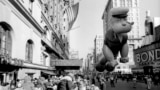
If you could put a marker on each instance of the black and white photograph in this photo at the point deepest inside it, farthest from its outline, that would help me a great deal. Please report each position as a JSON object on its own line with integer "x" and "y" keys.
{"x": 79, "y": 44}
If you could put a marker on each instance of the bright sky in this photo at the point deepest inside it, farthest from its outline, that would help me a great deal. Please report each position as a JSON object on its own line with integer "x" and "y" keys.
{"x": 90, "y": 24}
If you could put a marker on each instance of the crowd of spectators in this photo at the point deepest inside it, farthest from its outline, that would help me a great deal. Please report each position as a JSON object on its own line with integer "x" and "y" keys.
{"x": 70, "y": 81}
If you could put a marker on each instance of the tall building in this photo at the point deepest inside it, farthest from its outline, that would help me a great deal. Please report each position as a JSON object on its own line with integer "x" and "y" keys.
{"x": 31, "y": 37}
{"x": 89, "y": 63}
{"x": 147, "y": 5}
{"x": 147, "y": 56}
{"x": 98, "y": 44}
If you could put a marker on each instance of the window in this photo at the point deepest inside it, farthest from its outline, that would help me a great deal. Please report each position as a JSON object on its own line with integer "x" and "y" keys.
{"x": 45, "y": 8}
{"x": 31, "y": 6}
{"x": 29, "y": 51}
{"x": 5, "y": 40}
{"x": 44, "y": 57}
{"x": 51, "y": 18}
{"x": 136, "y": 3}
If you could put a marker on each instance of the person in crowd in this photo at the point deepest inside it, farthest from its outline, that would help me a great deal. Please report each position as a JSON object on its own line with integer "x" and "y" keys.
{"x": 5, "y": 86}
{"x": 94, "y": 87}
{"x": 112, "y": 81}
{"x": 1, "y": 87}
{"x": 49, "y": 85}
{"x": 102, "y": 84}
{"x": 54, "y": 86}
{"x": 134, "y": 81}
{"x": 75, "y": 84}
{"x": 28, "y": 85}
{"x": 96, "y": 80}
{"x": 19, "y": 86}
{"x": 41, "y": 80}
{"x": 87, "y": 83}
{"x": 145, "y": 79}
{"x": 149, "y": 82}
{"x": 81, "y": 85}
{"x": 35, "y": 82}
{"x": 38, "y": 86}
{"x": 12, "y": 84}
{"x": 66, "y": 83}
{"x": 116, "y": 78}
{"x": 156, "y": 79}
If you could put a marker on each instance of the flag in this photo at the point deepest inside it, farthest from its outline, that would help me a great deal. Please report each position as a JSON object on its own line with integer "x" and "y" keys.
{"x": 72, "y": 13}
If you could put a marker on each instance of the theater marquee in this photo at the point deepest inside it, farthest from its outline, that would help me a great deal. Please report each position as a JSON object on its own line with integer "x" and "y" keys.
{"x": 148, "y": 55}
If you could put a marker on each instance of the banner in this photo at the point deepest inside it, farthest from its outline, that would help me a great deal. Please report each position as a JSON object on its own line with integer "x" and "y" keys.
{"x": 72, "y": 13}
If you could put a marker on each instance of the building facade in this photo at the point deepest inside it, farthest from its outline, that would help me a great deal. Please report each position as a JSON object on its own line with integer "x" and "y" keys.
{"x": 88, "y": 67}
{"x": 74, "y": 54}
{"x": 98, "y": 44}
{"x": 32, "y": 35}
{"x": 147, "y": 56}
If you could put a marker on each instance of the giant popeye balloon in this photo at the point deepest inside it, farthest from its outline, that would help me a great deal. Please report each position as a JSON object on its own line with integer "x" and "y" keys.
{"x": 115, "y": 40}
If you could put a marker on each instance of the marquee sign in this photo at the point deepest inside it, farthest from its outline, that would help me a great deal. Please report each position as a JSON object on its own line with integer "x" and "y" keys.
{"x": 147, "y": 55}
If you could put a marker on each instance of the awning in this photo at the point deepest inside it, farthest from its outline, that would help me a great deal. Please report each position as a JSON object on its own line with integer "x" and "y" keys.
{"x": 38, "y": 67}
{"x": 76, "y": 63}
{"x": 48, "y": 72}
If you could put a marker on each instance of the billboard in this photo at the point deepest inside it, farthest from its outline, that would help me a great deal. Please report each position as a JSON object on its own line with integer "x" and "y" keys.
{"x": 148, "y": 55}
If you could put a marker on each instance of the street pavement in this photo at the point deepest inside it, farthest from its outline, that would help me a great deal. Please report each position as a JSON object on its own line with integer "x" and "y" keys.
{"x": 123, "y": 85}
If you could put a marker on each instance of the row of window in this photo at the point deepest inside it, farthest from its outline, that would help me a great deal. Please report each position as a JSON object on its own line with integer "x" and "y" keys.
{"x": 6, "y": 44}
{"x": 124, "y": 4}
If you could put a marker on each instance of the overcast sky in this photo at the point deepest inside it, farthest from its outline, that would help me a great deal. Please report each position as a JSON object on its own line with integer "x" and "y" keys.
{"x": 89, "y": 23}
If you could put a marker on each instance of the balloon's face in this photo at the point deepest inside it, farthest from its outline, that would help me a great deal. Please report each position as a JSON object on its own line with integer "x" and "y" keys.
{"x": 121, "y": 25}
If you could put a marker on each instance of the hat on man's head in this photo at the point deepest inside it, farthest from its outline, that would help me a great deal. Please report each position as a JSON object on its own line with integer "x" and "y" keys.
{"x": 119, "y": 12}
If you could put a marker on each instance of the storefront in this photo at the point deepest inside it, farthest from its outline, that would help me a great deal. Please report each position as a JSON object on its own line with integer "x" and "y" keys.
{"x": 35, "y": 71}
{"x": 148, "y": 57}
{"x": 13, "y": 69}
{"x": 62, "y": 65}
{"x": 9, "y": 67}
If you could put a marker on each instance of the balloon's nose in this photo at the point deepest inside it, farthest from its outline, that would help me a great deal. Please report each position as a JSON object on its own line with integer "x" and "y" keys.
{"x": 123, "y": 24}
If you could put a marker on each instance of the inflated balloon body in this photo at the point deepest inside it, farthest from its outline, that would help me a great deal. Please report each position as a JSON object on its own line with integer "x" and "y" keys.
{"x": 115, "y": 40}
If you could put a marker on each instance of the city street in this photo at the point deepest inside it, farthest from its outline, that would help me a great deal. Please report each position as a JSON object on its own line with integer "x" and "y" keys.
{"x": 123, "y": 85}
{"x": 79, "y": 44}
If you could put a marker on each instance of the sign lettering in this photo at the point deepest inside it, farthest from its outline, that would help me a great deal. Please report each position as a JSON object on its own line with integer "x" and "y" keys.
{"x": 148, "y": 57}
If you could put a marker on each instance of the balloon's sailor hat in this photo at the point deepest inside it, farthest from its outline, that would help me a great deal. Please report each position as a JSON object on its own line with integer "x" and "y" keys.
{"x": 119, "y": 12}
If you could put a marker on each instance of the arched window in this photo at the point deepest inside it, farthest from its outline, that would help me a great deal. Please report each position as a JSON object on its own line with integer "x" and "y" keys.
{"x": 29, "y": 51}
{"x": 5, "y": 39}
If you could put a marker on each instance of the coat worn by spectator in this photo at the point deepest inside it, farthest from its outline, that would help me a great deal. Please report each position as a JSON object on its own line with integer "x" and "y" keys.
{"x": 28, "y": 85}
{"x": 65, "y": 83}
